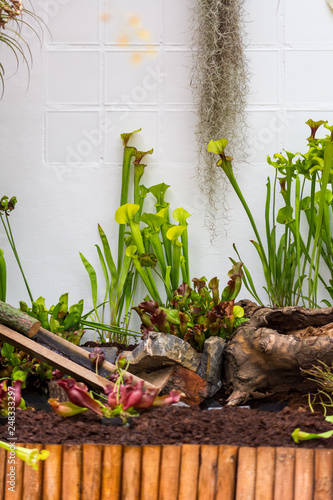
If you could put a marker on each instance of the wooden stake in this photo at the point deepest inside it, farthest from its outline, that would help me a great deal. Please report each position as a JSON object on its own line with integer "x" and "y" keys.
{"x": 284, "y": 474}
{"x": 71, "y": 472}
{"x": 3, "y": 478}
{"x": 226, "y": 472}
{"x": 17, "y": 494}
{"x": 169, "y": 477}
{"x": 151, "y": 456}
{"x": 304, "y": 474}
{"x": 265, "y": 473}
{"x": 246, "y": 473}
{"x": 207, "y": 474}
{"x": 112, "y": 466}
{"x": 91, "y": 471}
{"x": 32, "y": 479}
{"x": 131, "y": 473}
{"x": 52, "y": 473}
{"x": 189, "y": 472}
{"x": 323, "y": 474}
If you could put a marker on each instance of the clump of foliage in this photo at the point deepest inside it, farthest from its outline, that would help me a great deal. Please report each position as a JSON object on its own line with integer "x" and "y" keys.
{"x": 289, "y": 259}
{"x": 60, "y": 319}
{"x": 17, "y": 365}
{"x": 220, "y": 88}
{"x": 199, "y": 313}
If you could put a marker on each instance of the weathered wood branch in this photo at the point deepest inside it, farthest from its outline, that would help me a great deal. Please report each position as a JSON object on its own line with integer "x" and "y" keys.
{"x": 18, "y": 320}
{"x": 265, "y": 355}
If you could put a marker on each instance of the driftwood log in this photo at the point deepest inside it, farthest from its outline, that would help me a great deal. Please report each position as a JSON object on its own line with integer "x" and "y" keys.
{"x": 265, "y": 354}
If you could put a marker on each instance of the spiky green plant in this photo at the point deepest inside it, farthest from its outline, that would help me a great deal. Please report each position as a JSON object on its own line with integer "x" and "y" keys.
{"x": 12, "y": 19}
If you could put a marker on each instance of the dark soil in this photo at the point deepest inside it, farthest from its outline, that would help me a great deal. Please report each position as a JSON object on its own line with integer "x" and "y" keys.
{"x": 175, "y": 425}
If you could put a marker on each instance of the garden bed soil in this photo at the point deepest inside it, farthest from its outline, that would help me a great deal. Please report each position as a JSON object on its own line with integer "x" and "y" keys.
{"x": 175, "y": 425}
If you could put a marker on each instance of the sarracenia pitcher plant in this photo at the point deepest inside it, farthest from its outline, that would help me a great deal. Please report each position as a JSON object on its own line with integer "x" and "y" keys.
{"x": 150, "y": 247}
{"x": 291, "y": 260}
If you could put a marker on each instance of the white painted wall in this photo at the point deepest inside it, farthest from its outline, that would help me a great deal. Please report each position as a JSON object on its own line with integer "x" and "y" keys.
{"x": 117, "y": 65}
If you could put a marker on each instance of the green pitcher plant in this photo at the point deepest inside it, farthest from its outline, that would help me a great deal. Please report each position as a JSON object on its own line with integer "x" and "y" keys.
{"x": 291, "y": 259}
{"x": 150, "y": 248}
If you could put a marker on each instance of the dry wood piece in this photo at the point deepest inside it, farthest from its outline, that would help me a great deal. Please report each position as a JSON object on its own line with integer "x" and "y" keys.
{"x": 91, "y": 471}
{"x": 112, "y": 462}
{"x": 52, "y": 473}
{"x": 226, "y": 472}
{"x": 18, "y": 320}
{"x": 284, "y": 474}
{"x": 151, "y": 456}
{"x": 189, "y": 472}
{"x": 263, "y": 357}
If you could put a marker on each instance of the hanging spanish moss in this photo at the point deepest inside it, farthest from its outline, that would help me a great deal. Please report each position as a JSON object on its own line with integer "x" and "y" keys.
{"x": 220, "y": 87}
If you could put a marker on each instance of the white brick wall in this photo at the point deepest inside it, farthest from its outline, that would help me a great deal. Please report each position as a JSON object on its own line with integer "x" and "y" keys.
{"x": 60, "y": 146}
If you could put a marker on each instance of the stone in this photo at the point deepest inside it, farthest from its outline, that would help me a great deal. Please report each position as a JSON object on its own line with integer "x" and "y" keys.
{"x": 192, "y": 385}
{"x": 210, "y": 367}
{"x": 162, "y": 349}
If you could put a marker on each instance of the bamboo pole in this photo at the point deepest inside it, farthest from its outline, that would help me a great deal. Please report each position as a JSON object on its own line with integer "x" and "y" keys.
{"x": 52, "y": 473}
{"x": 169, "y": 477}
{"x": 32, "y": 479}
{"x": 151, "y": 457}
{"x": 246, "y": 474}
{"x": 189, "y": 472}
{"x": 265, "y": 472}
{"x": 2, "y": 473}
{"x": 91, "y": 471}
{"x": 71, "y": 472}
{"x": 207, "y": 474}
{"x": 323, "y": 475}
{"x": 131, "y": 473}
{"x": 17, "y": 494}
{"x": 284, "y": 474}
{"x": 112, "y": 468}
{"x": 304, "y": 474}
{"x": 226, "y": 472}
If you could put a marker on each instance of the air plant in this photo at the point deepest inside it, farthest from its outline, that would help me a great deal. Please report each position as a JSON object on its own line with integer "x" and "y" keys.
{"x": 12, "y": 19}
{"x": 220, "y": 88}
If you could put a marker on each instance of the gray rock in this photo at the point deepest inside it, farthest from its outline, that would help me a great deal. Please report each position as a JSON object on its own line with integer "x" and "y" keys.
{"x": 211, "y": 363}
{"x": 163, "y": 349}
